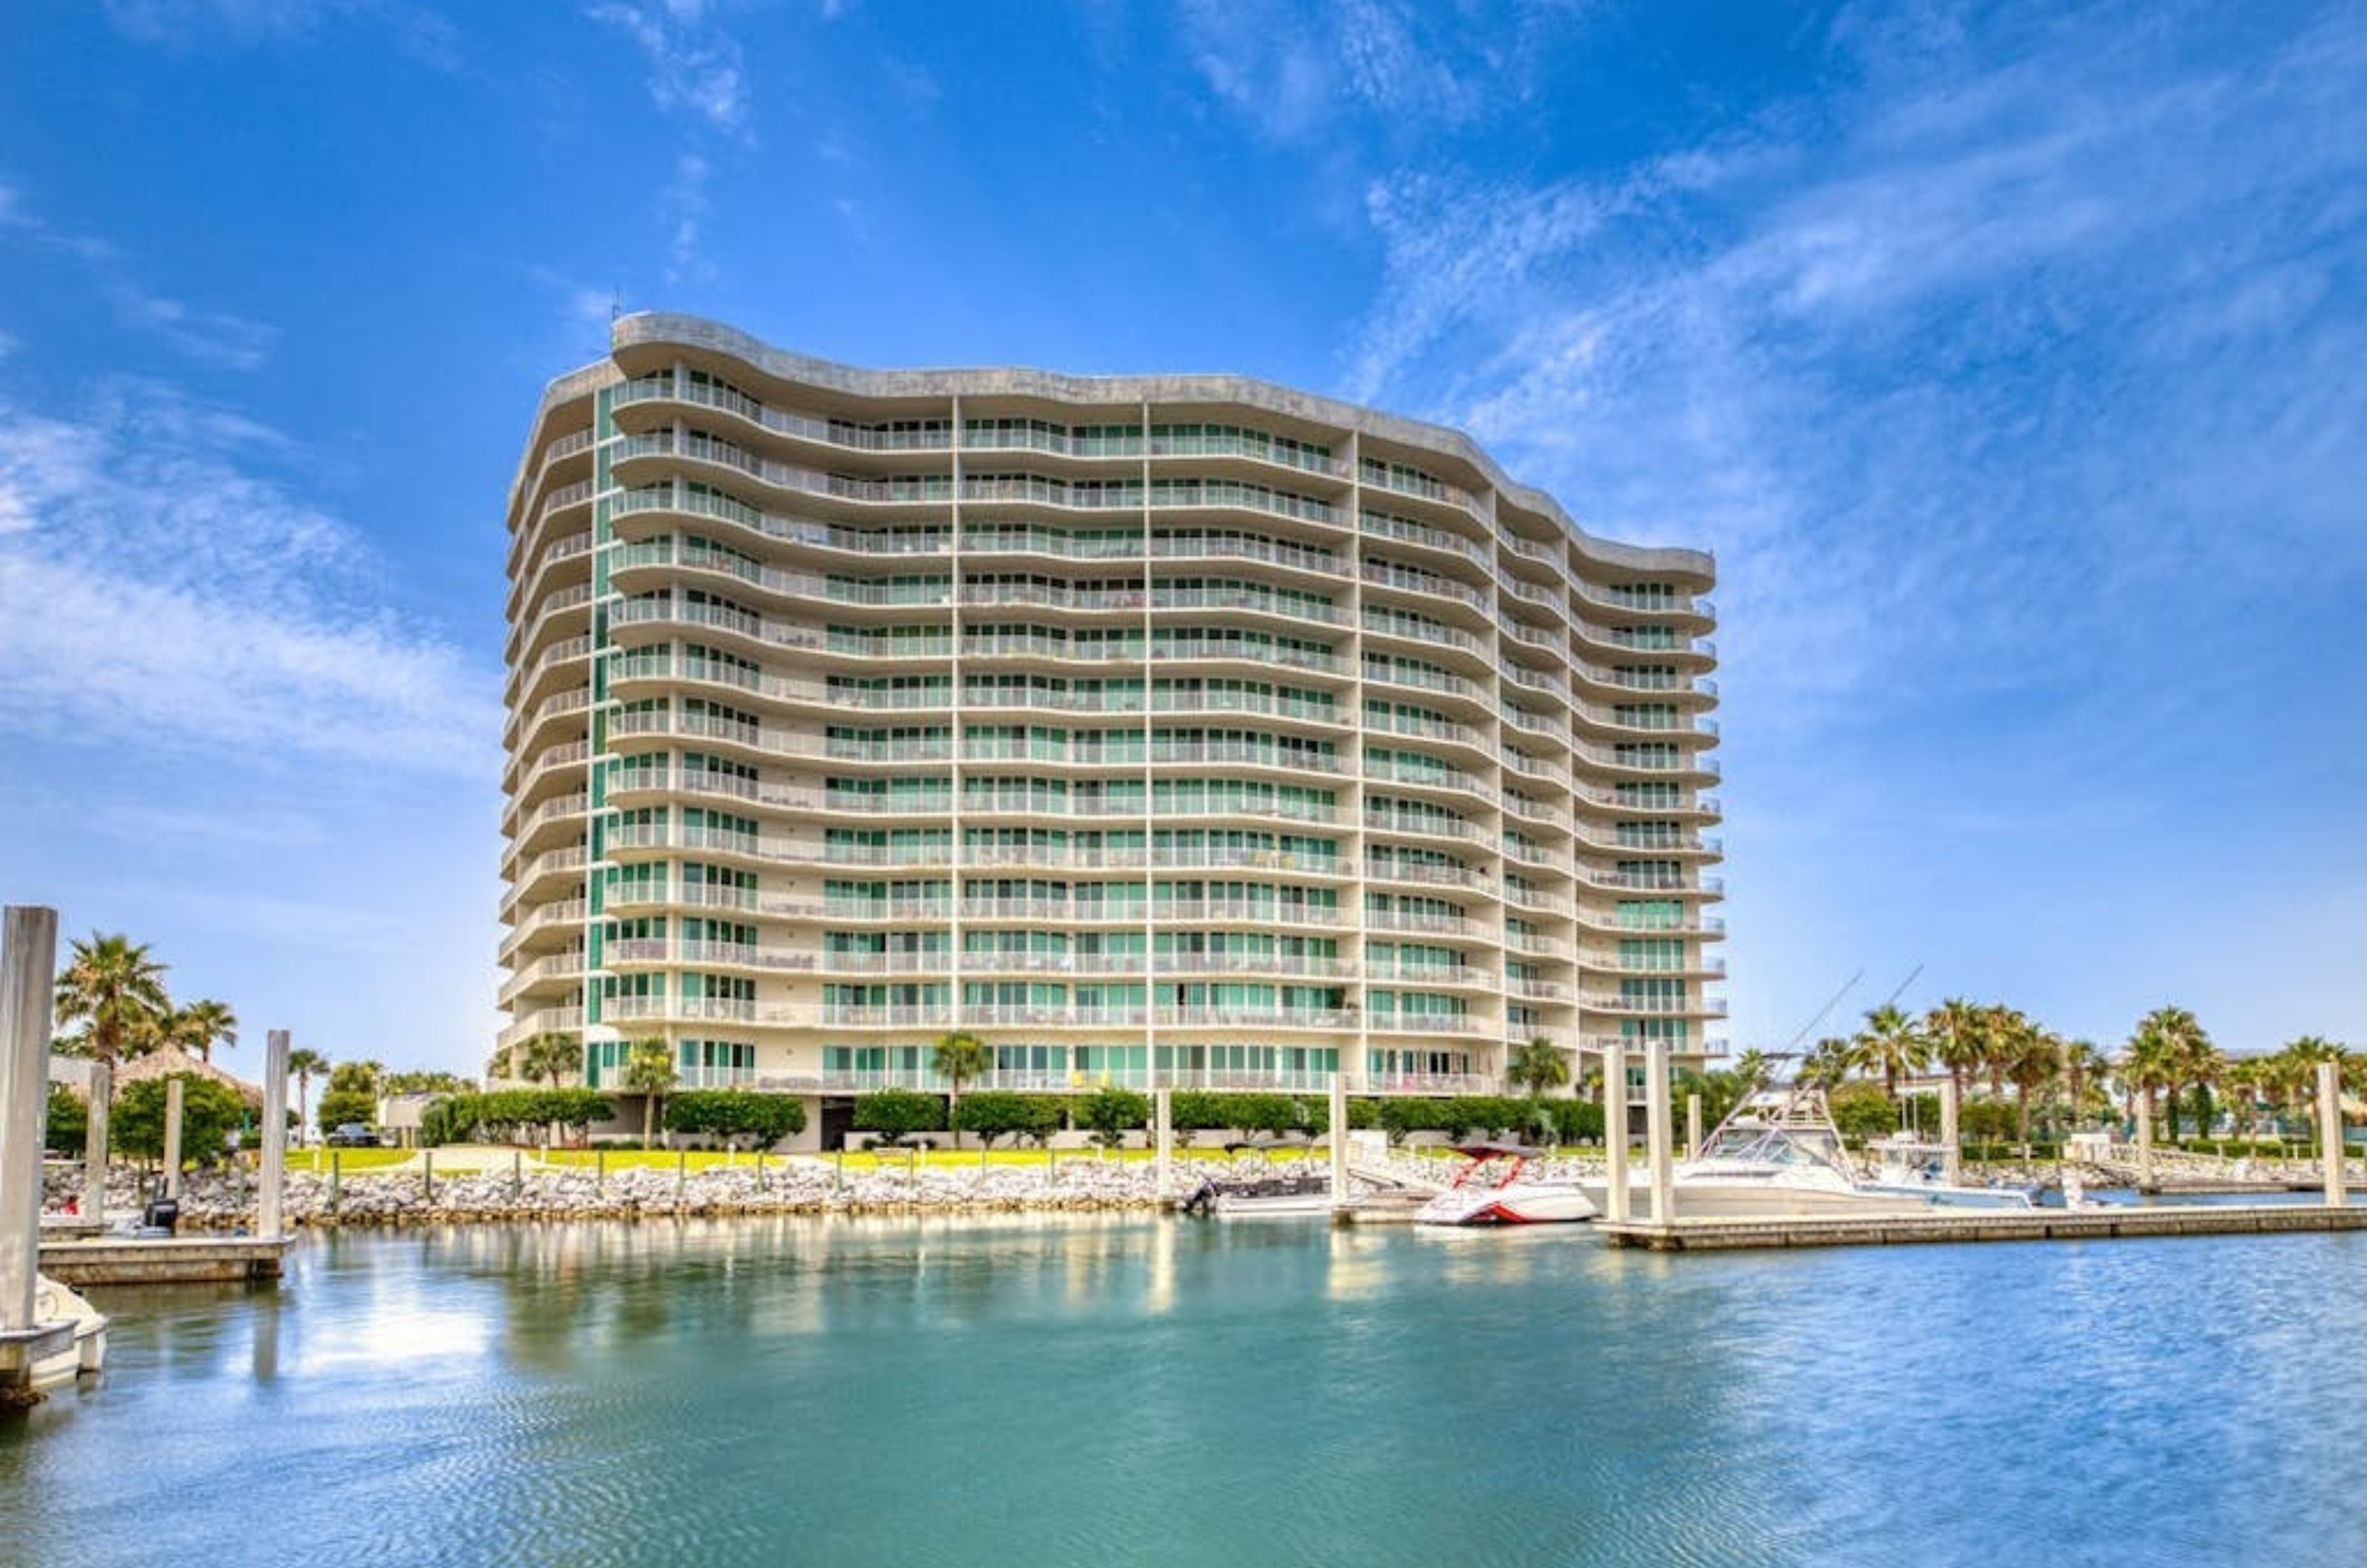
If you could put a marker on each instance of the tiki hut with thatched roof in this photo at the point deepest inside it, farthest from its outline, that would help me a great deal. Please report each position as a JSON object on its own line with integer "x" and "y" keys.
{"x": 170, "y": 1061}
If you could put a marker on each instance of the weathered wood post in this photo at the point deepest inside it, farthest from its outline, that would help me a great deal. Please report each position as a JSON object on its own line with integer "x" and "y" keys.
{"x": 1658, "y": 1120}
{"x": 269, "y": 1202}
{"x": 94, "y": 1146}
{"x": 1952, "y": 1141}
{"x": 29, "y": 955}
{"x": 1339, "y": 1141}
{"x": 2144, "y": 1142}
{"x": 1614, "y": 1130}
{"x": 1692, "y": 1126}
{"x": 2329, "y": 1130}
{"x": 1162, "y": 1124}
{"x": 174, "y": 1088}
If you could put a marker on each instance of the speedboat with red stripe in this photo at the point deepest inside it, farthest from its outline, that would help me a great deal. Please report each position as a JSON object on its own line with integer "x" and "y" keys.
{"x": 1500, "y": 1186}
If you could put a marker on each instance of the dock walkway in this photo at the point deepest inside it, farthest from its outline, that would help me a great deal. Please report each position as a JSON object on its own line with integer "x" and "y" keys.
{"x": 2039, "y": 1225}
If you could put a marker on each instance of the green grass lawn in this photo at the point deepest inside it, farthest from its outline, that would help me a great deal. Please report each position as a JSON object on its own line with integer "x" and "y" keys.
{"x": 351, "y": 1162}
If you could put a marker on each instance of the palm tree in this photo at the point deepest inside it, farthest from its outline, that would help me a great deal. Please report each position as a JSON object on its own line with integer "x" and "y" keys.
{"x": 2037, "y": 1061}
{"x": 1537, "y": 1067}
{"x": 110, "y": 984}
{"x": 2004, "y": 1033}
{"x": 1831, "y": 1064}
{"x": 960, "y": 1058}
{"x": 302, "y": 1063}
{"x": 649, "y": 1072}
{"x": 2146, "y": 1066}
{"x": 2083, "y": 1068}
{"x": 1891, "y": 1040}
{"x": 1958, "y": 1032}
{"x": 1754, "y": 1069}
{"x": 2296, "y": 1071}
{"x": 2183, "y": 1053}
{"x": 197, "y": 1027}
{"x": 550, "y": 1054}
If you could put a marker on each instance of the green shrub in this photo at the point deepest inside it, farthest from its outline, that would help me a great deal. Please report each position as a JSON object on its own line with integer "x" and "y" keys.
{"x": 209, "y": 1112}
{"x": 339, "y": 1106}
{"x": 1861, "y": 1110}
{"x": 997, "y": 1113}
{"x": 512, "y": 1114}
{"x": 1111, "y": 1114}
{"x": 1987, "y": 1121}
{"x": 731, "y": 1114}
{"x": 68, "y": 1126}
{"x": 897, "y": 1113}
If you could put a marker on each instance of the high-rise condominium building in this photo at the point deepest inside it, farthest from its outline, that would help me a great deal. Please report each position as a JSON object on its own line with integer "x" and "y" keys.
{"x": 1158, "y": 730}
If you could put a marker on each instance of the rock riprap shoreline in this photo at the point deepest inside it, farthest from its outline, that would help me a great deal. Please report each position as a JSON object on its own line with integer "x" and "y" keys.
{"x": 219, "y": 1200}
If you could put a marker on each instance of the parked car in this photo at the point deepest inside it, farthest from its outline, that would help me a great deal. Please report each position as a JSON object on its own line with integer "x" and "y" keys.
{"x": 353, "y": 1136}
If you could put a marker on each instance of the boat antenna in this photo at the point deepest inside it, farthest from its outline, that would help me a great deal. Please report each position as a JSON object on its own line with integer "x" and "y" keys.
{"x": 1902, "y": 987}
{"x": 1793, "y": 1044}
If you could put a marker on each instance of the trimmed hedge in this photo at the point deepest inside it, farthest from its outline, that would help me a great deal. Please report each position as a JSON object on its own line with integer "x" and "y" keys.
{"x": 463, "y": 1118}
{"x": 992, "y": 1113}
{"x": 731, "y": 1114}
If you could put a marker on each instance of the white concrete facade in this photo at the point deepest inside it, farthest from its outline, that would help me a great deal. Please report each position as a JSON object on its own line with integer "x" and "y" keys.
{"x": 1166, "y": 731}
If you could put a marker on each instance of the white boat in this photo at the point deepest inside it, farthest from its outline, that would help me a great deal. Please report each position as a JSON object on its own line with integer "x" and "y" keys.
{"x": 1497, "y": 1187}
{"x": 1778, "y": 1154}
{"x": 75, "y": 1333}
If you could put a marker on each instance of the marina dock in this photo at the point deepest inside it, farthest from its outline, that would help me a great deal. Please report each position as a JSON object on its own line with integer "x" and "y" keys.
{"x": 2106, "y": 1224}
{"x": 162, "y": 1261}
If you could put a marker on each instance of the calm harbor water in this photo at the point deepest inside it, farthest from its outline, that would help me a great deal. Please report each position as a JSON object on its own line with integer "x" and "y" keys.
{"x": 1158, "y": 1392}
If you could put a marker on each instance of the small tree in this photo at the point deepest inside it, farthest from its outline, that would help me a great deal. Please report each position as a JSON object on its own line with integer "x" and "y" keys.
{"x": 304, "y": 1065}
{"x": 897, "y": 1113}
{"x": 550, "y": 1054}
{"x": 734, "y": 1113}
{"x": 1862, "y": 1110}
{"x": 68, "y": 1124}
{"x": 1537, "y": 1067}
{"x": 209, "y": 1110}
{"x": 650, "y": 1073}
{"x": 339, "y": 1106}
{"x": 960, "y": 1058}
{"x": 200, "y": 1026}
{"x": 993, "y": 1114}
{"x": 1111, "y": 1114}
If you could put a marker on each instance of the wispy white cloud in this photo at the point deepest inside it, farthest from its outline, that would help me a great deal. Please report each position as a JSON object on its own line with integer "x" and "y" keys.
{"x": 16, "y": 215}
{"x": 2033, "y": 300}
{"x": 215, "y": 338}
{"x": 696, "y": 67}
{"x": 1295, "y": 69}
{"x": 684, "y": 205}
{"x": 210, "y": 337}
{"x": 162, "y": 588}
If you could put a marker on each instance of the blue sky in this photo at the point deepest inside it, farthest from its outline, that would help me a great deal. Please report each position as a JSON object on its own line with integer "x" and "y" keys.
{"x": 2007, "y": 356}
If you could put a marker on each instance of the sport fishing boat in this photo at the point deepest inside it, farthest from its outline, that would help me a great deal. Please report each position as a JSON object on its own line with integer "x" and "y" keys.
{"x": 1497, "y": 1187}
{"x": 1779, "y": 1154}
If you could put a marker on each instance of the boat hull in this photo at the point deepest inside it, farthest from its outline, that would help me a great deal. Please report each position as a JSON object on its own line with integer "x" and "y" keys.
{"x": 1522, "y": 1203}
{"x": 1744, "y": 1200}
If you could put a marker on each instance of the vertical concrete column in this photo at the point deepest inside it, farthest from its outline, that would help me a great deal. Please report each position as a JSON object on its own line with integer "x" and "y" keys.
{"x": 1951, "y": 1139}
{"x": 172, "y": 1095}
{"x": 1659, "y": 1126}
{"x": 2144, "y": 1141}
{"x": 1339, "y": 1140}
{"x": 94, "y": 1145}
{"x": 275, "y": 1136}
{"x": 1163, "y": 1127}
{"x": 1692, "y": 1126}
{"x": 29, "y": 958}
{"x": 1614, "y": 1132}
{"x": 2329, "y": 1130}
